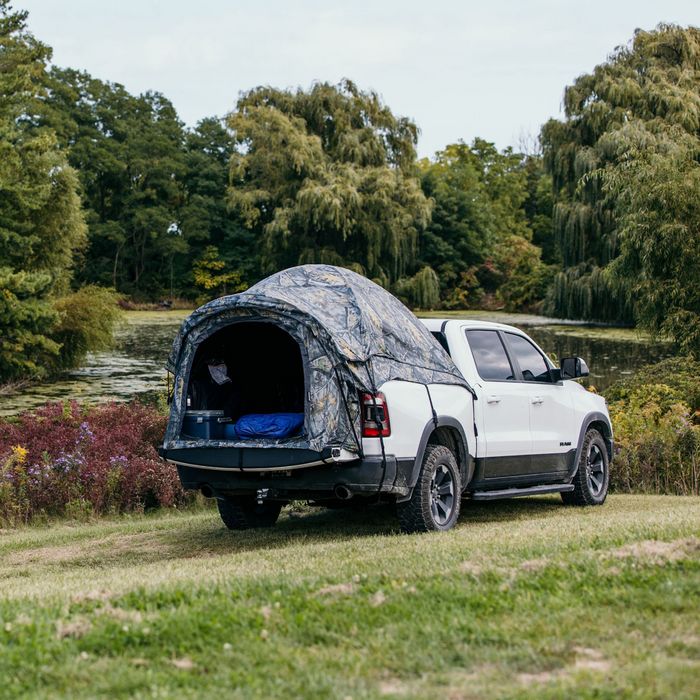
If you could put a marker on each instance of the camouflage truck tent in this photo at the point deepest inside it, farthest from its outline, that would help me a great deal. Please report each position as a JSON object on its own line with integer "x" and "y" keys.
{"x": 307, "y": 340}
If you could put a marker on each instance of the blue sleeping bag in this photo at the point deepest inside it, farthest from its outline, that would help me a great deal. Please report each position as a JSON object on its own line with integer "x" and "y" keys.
{"x": 269, "y": 425}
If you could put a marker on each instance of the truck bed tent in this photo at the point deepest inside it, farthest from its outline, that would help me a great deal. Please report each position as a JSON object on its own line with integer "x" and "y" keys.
{"x": 309, "y": 338}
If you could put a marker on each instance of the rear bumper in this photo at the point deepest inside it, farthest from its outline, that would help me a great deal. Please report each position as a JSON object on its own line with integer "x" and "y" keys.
{"x": 312, "y": 476}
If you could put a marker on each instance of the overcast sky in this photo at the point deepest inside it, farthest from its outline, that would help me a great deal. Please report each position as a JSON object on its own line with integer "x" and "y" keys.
{"x": 459, "y": 69}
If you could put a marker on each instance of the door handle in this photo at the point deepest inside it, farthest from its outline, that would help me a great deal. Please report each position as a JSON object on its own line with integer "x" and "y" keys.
{"x": 493, "y": 399}
{"x": 537, "y": 399}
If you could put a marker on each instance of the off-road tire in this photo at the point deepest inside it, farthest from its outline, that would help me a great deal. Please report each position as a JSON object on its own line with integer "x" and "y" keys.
{"x": 245, "y": 513}
{"x": 423, "y": 513}
{"x": 593, "y": 474}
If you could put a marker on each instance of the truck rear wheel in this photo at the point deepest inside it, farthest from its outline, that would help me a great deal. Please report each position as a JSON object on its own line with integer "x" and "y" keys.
{"x": 245, "y": 513}
{"x": 436, "y": 499}
{"x": 593, "y": 475}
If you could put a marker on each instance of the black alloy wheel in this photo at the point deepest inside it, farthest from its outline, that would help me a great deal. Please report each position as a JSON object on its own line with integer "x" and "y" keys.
{"x": 437, "y": 497}
{"x": 595, "y": 470}
{"x": 442, "y": 494}
{"x": 593, "y": 475}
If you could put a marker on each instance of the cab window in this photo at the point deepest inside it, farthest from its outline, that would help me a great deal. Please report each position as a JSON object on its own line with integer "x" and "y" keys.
{"x": 490, "y": 356}
{"x": 532, "y": 363}
{"x": 440, "y": 337}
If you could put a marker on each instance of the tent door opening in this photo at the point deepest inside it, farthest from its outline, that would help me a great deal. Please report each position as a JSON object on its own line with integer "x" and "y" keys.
{"x": 245, "y": 369}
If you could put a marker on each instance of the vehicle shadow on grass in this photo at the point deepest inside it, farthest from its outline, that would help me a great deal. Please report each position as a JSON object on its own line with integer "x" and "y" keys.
{"x": 206, "y": 538}
{"x": 319, "y": 526}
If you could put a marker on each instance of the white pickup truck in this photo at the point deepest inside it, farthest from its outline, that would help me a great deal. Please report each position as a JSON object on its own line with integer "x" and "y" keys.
{"x": 375, "y": 405}
{"x": 528, "y": 430}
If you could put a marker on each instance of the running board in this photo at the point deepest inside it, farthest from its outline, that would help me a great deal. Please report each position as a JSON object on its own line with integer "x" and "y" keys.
{"x": 512, "y": 493}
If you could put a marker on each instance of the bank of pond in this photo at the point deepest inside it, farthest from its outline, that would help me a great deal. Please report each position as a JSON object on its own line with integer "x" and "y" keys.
{"x": 80, "y": 459}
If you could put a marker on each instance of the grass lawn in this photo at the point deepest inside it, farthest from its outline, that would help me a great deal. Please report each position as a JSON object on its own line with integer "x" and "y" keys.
{"x": 524, "y": 599}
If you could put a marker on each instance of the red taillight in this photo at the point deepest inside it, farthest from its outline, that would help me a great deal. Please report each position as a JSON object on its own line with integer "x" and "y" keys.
{"x": 375, "y": 416}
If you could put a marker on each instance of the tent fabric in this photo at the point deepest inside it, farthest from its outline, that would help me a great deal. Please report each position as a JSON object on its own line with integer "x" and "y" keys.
{"x": 354, "y": 336}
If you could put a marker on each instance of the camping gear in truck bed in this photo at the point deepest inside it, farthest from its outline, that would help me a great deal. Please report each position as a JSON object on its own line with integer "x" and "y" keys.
{"x": 208, "y": 425}
{"x": 270, "y": 425}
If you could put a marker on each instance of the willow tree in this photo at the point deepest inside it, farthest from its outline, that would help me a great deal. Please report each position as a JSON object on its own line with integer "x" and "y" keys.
{"x": 656, "y": 188}
{"x": 325, "y": 176}
{"x": 653, "y": 80}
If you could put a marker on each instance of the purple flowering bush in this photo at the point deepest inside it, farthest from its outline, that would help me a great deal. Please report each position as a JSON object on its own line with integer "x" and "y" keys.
{"x": 76, "y": 460}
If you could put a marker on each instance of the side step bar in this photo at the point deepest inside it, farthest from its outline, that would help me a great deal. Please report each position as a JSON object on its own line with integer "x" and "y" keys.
{"x": 512, "y": 493}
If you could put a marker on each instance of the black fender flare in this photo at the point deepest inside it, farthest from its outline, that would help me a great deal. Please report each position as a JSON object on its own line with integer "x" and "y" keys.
{"x": 443, "y": 422}
{"x": 593, "y": 417}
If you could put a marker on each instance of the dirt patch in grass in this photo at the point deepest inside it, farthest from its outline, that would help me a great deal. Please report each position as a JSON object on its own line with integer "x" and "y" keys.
{"x": 336, "y": 589}
{"x": 528, "y": 679}
{"x": 657, "y": 552}
{"x": 533, "y": 565}
{"x": 95, "y": 596}
{"x": 457, "y": 685}
{"x": 395, "y": 687}
{"x": 378, "y": 599}
{"x": 76, "y": 629}
{"x": 591, "y": 660}
{"x": 479, "y": 566}
{"x": 133, "y": 616}
{"x": 43, "y": 555}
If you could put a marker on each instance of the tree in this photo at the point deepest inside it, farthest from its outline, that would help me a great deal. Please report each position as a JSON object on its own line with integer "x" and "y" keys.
{"x": 479, "y": 239}
{"x": 129, "y": 154}
{"x": 652, "y": 80}
{"x": 655, "y": 184}
{"x": 209, "y": 275}
{"x": 325, "y": 176}
{"x": 41, "y": 224}
{"x": 155, "y": 194}
{"x": 206, "y": 216}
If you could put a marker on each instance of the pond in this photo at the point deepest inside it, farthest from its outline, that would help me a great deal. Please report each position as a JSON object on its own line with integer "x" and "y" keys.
{"x": 135, "y": 366}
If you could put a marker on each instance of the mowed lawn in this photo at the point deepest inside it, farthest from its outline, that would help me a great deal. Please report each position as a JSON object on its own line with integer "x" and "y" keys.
{"x": 524, "y": 599}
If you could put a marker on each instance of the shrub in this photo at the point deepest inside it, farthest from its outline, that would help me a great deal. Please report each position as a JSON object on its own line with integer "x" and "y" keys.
{"x": 69, "y": 459}
{"x": 656, "y": 422}
{"x": 89, "y": 318}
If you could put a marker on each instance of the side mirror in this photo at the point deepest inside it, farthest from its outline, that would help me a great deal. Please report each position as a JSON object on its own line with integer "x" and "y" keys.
{"x": 573, "y": 368}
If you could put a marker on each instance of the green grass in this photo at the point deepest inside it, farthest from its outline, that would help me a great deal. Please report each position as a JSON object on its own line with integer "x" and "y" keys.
{"x": 524, "y": 599}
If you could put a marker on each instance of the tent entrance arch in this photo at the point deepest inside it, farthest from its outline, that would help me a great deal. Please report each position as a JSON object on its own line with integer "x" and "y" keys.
{"x": 263, "y": 363}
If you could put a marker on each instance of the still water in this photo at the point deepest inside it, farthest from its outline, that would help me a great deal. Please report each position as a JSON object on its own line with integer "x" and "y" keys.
{"x": 135, "y": 366}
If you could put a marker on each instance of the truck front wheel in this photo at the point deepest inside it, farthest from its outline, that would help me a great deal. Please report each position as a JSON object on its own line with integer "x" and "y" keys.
{"x": 245, "y": 513}
{"x": 436, "y": 499}
{"x": 593, "y": 475}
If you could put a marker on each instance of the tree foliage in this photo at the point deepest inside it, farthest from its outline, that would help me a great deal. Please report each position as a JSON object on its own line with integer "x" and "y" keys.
{"x": 41, "y": 223}
{"x": 128, "y": 151}
{"x": 44, "y": 325}
{"x": 325, "y": 176}
{"x": 87, "y": 320}
{"x": 211, "y": 276}
{"x": 479, "y": 239}
{"x": 653, "y": 80}
{"x": 655, "y": 185}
